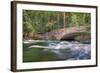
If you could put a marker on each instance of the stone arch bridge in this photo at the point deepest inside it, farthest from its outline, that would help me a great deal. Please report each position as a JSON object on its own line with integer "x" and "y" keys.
{"x": 63, "y": 33}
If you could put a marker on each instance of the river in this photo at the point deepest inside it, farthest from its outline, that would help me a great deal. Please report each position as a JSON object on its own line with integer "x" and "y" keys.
{"x": 41, "y": 50}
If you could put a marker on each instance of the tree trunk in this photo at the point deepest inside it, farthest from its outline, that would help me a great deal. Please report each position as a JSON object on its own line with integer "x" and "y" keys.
{"x": 58, "y": 18}
{"x": 64, "y": 14}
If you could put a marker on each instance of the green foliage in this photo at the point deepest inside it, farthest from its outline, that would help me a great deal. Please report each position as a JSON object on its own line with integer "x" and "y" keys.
{"x": 45, "y": 21}
{"x": 79, "y": 19}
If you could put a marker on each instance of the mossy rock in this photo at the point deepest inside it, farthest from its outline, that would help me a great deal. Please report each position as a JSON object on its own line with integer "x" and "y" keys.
{"x": 83, "y": 36}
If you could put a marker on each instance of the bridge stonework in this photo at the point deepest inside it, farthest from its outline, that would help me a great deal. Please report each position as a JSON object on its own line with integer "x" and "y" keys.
{"x": 60, "y": 33}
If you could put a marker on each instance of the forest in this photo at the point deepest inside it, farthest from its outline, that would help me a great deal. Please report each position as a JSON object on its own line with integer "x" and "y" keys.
{"x": 36, "y": 24}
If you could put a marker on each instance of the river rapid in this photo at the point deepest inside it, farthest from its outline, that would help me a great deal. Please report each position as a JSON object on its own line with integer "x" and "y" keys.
{"x": 41, "y": 50}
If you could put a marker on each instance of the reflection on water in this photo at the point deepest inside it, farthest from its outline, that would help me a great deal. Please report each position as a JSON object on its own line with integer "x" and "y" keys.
{"x": 36, "y": 50}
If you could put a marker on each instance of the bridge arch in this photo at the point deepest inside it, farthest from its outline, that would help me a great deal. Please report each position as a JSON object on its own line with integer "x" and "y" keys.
{"x": 78, "y": 36}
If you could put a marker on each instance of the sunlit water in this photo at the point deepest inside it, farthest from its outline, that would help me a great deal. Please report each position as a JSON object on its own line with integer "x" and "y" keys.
{"x": 55, "y": 50}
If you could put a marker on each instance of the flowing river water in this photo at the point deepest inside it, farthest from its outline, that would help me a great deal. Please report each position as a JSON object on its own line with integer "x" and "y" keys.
{"x": 41, "y": 50}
